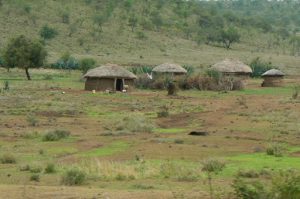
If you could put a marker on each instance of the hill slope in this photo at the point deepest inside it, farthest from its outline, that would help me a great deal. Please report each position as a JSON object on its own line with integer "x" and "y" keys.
{"x": 162, "y": 30}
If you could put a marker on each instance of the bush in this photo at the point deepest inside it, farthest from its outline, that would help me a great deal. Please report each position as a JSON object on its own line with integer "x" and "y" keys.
{"x": 50, "y": 168}
{"x": 35, "y": 177}
{"x": 47, "y": 32}
{"x": 35, "y": 169}
{"x": 250, "y": 190}
{"x": 286, "y": 185}
{"x": 8, "y": 159}
{"x": 56, "y": 135}
{"x": 259, "y": 67}
{"x": 134, "y": 124}
{"x": 32, "y": 120}
{"x": 248, "y": 174}
{"x": 66, "y": 62}
{"x": 141, "y": 35}
{"x": 212, "y": 166}
{"x": 73, "y": 177}
{"x": 164, "y": 112}
{"x": 86, "y": 64}
{"x": 275, "y": 149}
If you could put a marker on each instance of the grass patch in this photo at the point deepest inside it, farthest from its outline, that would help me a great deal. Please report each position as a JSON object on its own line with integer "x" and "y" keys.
{"x": 112, "y": 149}
{"x": 56, "y": 135}
{"x": 258, "y": 161}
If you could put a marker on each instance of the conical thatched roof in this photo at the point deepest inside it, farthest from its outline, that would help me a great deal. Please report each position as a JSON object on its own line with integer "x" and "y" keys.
{"x": 272, "y": 73}
{"x": 231, "y": 66}
{"x": 169, "y": 68}
{"x": 110, "y": 71}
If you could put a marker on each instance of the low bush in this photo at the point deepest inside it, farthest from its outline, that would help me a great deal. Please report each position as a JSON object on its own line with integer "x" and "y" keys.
{"x": 248, "y": 174}
{"x": 50, "y": 168}
{"x": 259, "y": 67}
{"x": 275, "y": 149}
{"x": 73, "y": 177}
{"x": 32, "y": 120}
{"x": 134, "y": 124}
{"x": 8, "y": 159}
{"x": 164, "y": 112}
{"x": 35, "y": 177}
{"x": 250, "y": 190}
{"x": 35, "y": 169}
{"x": 56, "y": 135}
{"x": 48, "y": 32}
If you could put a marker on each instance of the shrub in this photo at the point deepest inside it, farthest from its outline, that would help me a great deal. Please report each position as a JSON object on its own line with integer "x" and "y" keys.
{"x": 6, "y": 86}
{"x": 141, "y": 35}
{"x": 178, "y": 141}
{"x": 190, "y": 69}
{"x": 250, "y": 190}
{"x": 86, "y": 64}
{"x": 296, "y": 92}
{"x": 8, "y": 159}
{"x": 164, "y": 112}
{"x": 248, "y": 174}
{"x": 25, "y": 168}
{"x": 47, "y": 32}
{"x": 275, "y": 149}
{"x": 73, "y": 177}
{"x": 259, "y": 67}
{"x": 212, "y": 165}
{"x": 32, "y": 120}
{"x": 35, "y": 177}
{"x": 56, "y": 135}
{"x": 66, "y": 62}
{"x": 134, "y": 124}
{"x": 50, "y": 168}
{"x": 286, "y": 185}
{"x": 35, "y": 169}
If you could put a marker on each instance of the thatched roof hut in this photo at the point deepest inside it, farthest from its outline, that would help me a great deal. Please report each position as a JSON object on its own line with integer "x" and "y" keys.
{"x": 232, "y": 67}
{"x": 273, "y": 78}
{"x": 168, "y": 68}
{"x": 109, "y": 77}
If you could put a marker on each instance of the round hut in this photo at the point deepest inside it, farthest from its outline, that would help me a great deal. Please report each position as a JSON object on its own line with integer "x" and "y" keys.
{"x": 273, "y": 78}
{"x": 109, "y": 77}
{"x": 169, "y": 69}
{"x": 233, "y": 67}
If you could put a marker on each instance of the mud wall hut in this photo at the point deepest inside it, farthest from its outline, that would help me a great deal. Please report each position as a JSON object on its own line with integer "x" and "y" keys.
{"x": 109, "y": 77}
{"x": 233, "y": 67}
{"x": 168, "y": 69}
{"x": 273, "y": 78}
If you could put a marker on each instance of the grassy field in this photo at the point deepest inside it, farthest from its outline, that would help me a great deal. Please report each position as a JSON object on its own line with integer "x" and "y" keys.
{"x": 125, "y": 149}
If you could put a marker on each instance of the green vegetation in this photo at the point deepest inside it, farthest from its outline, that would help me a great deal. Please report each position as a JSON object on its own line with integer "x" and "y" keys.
{"x": 56, "y": 135}
{"x": 73, "y": 177}
{"x": 23, "y": 53}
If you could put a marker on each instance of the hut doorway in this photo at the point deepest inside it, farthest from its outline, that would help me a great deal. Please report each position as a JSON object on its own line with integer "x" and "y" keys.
{"x": 119, "y": 85}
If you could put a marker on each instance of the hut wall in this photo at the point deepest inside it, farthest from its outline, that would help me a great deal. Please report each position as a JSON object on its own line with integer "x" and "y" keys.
{"x": 100, "y": 84}
{"x": 272, "y": 82}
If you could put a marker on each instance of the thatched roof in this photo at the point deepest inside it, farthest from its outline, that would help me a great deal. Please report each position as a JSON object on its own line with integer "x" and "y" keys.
{"x": 110, "y": 71}
{"x": 169, "y": 68}
{"x": 231, "y": 66}
{"x": 272, "y": 73}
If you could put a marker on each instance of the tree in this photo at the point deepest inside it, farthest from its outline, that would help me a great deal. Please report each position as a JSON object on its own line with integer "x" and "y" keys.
{"x": 295, "y": 42}
{"x": 99, "y": 20}
{"x": 24, "y": 53}
{"x": 86, "y": 64}
{"x": 229, "y": 36}
{"x": 47, "y": 32}
{"x": 132, "y": 22}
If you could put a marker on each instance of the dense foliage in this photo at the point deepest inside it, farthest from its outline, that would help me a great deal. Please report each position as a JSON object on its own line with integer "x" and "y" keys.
{"x": 24, "y": 53}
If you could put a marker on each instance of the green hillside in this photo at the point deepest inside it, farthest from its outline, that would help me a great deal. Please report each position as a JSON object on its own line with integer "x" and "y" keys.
{"x": 151, "y": 32}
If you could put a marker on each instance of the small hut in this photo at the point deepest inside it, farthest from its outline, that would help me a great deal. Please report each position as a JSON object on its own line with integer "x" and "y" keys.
{"x": 169, "y": 69}
{"x": 233, "y": 67}
{"x": 109, "y": 77}
{"x": 273, "y": 78}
